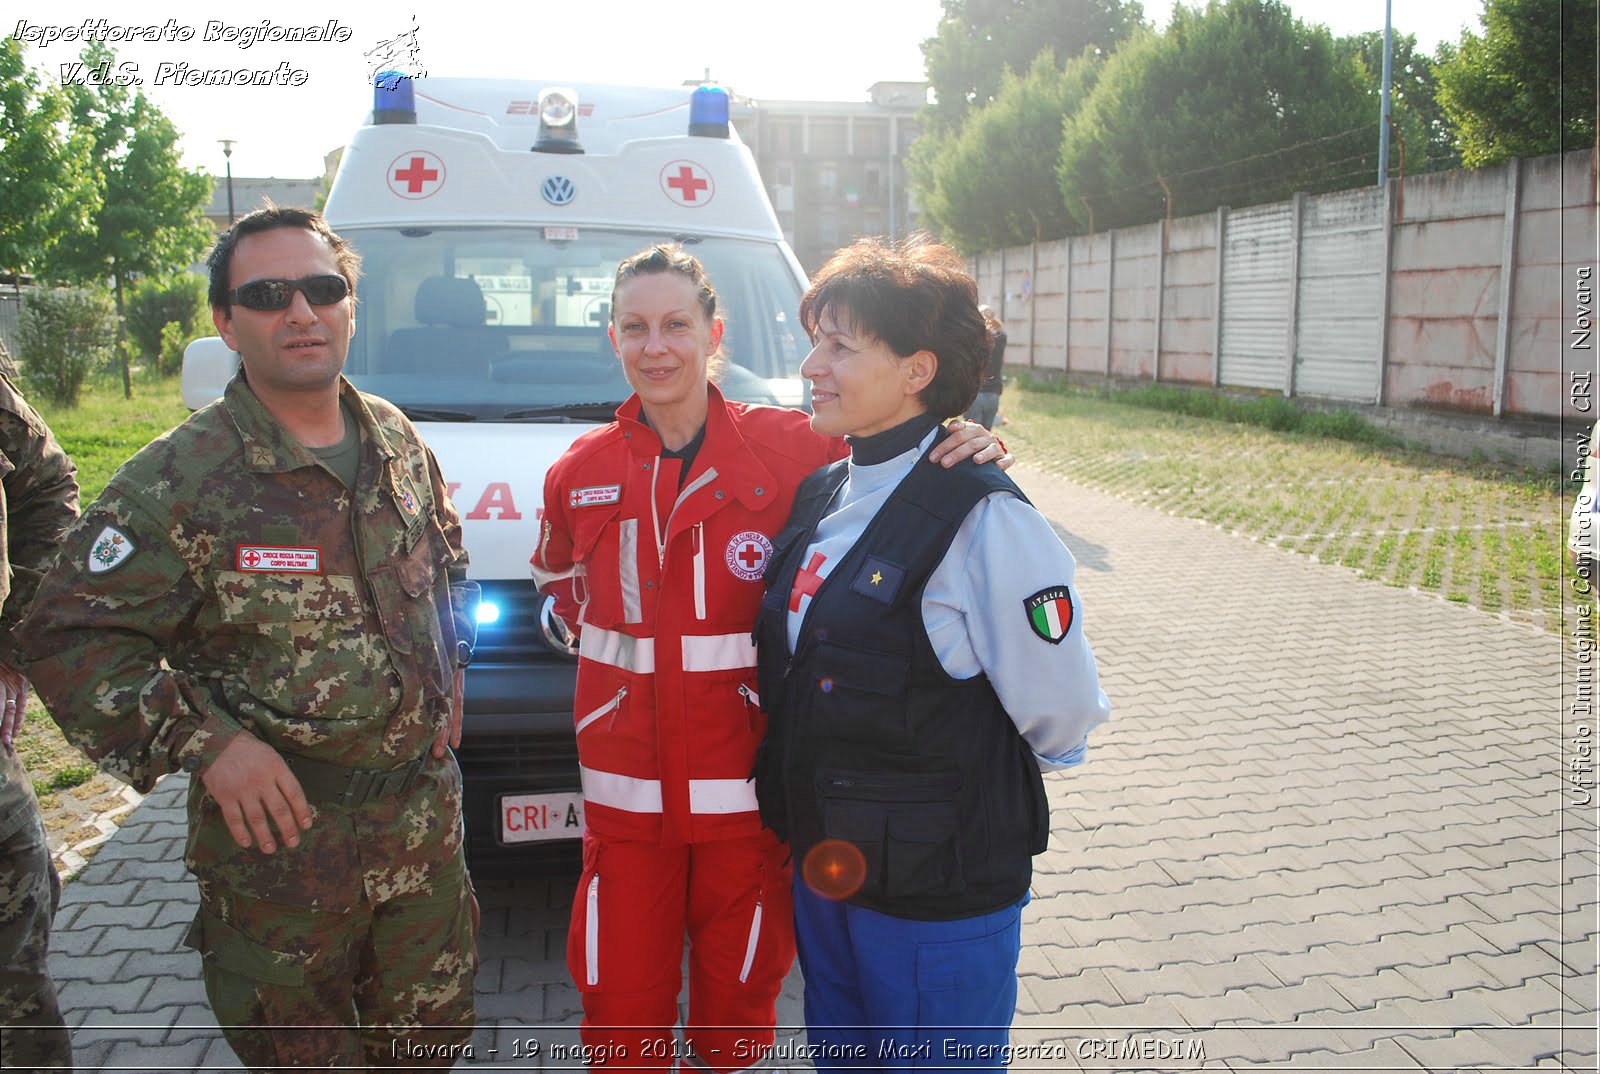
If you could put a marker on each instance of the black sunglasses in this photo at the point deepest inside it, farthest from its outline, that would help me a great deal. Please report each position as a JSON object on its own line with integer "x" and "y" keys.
{"x": 267, "y": 295}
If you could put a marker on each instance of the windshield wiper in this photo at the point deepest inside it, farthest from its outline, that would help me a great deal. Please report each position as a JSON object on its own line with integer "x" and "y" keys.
{"x": 423, "y": 413}
{"x": 565, "y": 411}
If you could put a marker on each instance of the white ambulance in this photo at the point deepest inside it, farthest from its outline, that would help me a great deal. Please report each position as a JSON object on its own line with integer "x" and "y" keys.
{"x": 490, "y": 217}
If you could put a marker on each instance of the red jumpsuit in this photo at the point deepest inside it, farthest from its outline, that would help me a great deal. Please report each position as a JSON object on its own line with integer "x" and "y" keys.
{"x": 668, "y": 722}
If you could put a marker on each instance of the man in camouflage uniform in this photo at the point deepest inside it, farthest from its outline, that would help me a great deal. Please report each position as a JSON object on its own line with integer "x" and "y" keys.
{"x": 256, "y": 598}
{"x": 38, "y": 503}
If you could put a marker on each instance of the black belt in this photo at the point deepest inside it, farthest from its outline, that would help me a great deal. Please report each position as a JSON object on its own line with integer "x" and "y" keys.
{"x": 337, "y": 784}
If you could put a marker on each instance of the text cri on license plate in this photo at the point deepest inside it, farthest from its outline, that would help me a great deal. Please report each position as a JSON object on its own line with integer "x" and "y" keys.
{"x": 530, "y": 818}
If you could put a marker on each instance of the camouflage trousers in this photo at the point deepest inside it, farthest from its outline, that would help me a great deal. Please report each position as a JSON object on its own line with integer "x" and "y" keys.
{"x": 32, "y": 1033}
{"x": 356, "y": 950}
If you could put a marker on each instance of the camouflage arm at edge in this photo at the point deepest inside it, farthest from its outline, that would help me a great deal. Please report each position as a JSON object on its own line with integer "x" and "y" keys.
{"x": 99, "y": 643}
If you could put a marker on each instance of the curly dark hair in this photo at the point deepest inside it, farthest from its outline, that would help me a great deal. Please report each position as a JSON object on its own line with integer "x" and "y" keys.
{"x": 268, "y": 219}
{"x": 912, "y": 295}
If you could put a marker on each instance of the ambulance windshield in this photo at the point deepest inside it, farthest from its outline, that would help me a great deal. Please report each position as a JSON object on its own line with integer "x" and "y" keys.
{"x": 502, "y": 324}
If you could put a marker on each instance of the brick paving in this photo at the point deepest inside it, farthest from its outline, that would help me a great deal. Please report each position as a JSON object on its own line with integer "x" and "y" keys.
{"x": 1325, "y": 830}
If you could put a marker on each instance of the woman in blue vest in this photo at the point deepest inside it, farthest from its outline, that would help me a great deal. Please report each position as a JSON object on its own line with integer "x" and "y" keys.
{"x": 922, "y": 660}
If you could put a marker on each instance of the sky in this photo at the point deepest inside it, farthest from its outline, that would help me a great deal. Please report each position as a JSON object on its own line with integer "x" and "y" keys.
{"x": 815, "y": 50}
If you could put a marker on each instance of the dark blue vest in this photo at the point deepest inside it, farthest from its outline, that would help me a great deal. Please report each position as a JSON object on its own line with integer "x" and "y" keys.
{"x": 869, "y": 741}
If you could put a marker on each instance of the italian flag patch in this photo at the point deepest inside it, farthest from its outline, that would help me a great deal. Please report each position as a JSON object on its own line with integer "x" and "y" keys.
{"x": 1050, "y": 613}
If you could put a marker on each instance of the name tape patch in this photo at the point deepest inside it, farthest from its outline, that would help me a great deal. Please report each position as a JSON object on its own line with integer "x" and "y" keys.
{"x": 276, "y": 559}
{"x": 596, "y": 495}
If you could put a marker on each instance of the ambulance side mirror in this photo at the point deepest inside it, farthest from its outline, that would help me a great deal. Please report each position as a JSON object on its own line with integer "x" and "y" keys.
{"x": 208, "y": 365}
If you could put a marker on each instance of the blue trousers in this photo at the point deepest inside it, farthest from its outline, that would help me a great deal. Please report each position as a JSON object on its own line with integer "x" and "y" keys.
{"x": 895, "y": 994}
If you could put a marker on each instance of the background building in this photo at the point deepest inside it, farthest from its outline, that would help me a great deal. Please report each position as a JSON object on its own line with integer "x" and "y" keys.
{"x": 835, "y": 169}
{"x": 251, "y": 194}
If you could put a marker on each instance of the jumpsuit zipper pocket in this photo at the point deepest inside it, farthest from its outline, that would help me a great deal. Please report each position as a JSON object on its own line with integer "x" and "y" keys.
{"x": 591, "y": 932}
{"x": 609, "y": 706}
{"x": 700, "y": 570}
{"x": 755, "y": 935}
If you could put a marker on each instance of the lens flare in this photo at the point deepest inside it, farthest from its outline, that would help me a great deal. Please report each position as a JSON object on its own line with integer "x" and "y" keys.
{"x": 834, "y": 869}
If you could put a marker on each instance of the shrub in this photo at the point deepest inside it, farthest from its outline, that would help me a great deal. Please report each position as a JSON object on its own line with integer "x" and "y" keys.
{"x": 158, "y": 302}
{"x": 174, "y": 338}
{"x": 62, "y": 337}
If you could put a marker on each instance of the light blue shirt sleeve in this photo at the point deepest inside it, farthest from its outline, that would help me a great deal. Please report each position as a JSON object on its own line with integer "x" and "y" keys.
{"x": 975, "y": 610}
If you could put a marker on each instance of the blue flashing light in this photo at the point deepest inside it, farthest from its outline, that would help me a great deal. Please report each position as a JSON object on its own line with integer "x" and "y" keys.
{"x": 708, "y": 112}
{"x": 392, "y": 98}
{"x": 488, "y": 612}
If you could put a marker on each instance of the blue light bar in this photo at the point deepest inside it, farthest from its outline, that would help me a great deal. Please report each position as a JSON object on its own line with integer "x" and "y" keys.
{"x": 708, "y": 112}
{"x": 392, "y": 99}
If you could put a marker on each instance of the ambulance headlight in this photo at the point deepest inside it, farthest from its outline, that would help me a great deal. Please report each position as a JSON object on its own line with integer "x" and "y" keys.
{"x": 558, "y": 121}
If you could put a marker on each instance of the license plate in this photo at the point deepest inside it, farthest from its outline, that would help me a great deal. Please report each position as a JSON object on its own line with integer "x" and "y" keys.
{"x": 532, "y": 818}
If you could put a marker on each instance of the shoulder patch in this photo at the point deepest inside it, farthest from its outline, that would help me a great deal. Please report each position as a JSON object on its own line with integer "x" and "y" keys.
{"x": 110, "y": 550}
{"x": 1050, "y": 613}
{"x": 747, "y": 555}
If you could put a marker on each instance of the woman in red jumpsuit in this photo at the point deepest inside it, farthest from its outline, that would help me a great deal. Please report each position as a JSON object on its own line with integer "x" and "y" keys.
{"x": 656, "y": 531}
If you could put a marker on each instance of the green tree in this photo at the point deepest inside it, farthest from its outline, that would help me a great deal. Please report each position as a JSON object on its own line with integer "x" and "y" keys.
{"x": 150, "y": 221}
{"x": 1237, "y": 104}
{"x": 978, "y": 40}
{"x": 46, "y": 188}
{"x": 1527, "y": 86}
{"x": 994, "y": 182}
{"x": 1430, "y": 136}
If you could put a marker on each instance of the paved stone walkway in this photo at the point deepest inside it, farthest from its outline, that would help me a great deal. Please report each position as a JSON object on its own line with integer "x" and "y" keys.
{"x": 1327, "y": 828}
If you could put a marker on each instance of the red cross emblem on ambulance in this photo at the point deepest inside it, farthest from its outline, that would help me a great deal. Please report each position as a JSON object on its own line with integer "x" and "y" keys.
{"x": 688, "y": 184}
{"x": 747, "y": 555}
{"x": 416, "y": 174}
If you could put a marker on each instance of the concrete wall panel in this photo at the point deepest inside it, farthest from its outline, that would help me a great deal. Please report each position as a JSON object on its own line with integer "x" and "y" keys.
{"x": 1456, "y": 195}
{"x": 1449, "y": 245}
{"x": 1444, "y": 293}
{"x": 1468, "y": 292}
{"x": 1553, "y": 181}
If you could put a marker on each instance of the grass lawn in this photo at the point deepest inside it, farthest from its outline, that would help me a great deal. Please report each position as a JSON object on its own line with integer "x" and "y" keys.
{"x": 1473, "y": 532}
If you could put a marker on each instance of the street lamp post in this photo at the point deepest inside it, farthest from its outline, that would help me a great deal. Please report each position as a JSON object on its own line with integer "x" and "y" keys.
{"x": 1383, "y": 122}
{"x": 227, "y": 153}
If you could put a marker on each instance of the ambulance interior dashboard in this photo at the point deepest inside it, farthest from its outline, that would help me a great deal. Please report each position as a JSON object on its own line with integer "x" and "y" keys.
{"x": 504, "y": 324}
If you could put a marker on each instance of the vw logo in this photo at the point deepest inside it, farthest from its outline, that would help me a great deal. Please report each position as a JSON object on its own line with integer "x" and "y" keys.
{"x": 558, "y": 190}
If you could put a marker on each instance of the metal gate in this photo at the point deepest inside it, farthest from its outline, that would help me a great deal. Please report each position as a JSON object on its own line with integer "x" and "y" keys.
{"x": 1340, "y": 307}
{"x": 1257, "y": 291}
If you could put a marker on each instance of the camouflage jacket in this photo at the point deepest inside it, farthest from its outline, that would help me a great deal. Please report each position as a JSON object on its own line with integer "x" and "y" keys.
{"x": 227, "y": 580}
{"x": 38, "y": 503}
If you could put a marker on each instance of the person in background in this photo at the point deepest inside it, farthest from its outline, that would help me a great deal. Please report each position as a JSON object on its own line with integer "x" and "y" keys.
{"x": 656, "y": 530}
{"x": 922, "y": 660}
{"x": 985, "y": 408}
{"x": 38, "y": 504}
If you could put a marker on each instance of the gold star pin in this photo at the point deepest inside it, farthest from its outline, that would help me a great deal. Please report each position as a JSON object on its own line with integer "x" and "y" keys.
{"x": 260, "y": 456}
{"x": 877, "y": 577}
